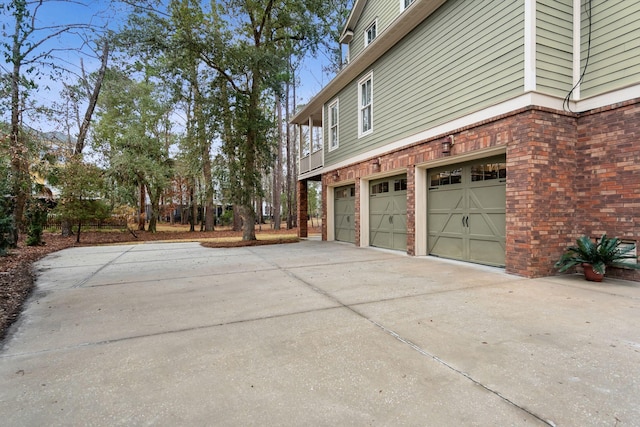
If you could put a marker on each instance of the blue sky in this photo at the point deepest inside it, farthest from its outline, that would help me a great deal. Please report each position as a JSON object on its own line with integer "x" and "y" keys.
{"x": 104, "y": 13}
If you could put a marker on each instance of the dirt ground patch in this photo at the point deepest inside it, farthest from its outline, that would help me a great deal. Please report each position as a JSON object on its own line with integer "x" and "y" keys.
{"x": 17, "y": 277}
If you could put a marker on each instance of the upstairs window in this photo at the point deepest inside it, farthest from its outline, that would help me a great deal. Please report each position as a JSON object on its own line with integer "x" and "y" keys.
{"x": 371, "y": 33}
{"x": 365, "y": 102}
{"x": 406, "y": 3}
{"x": 333, "y": 125}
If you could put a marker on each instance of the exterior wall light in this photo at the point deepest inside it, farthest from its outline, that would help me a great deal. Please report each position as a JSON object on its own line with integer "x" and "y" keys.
{"x": 447, "y": 143}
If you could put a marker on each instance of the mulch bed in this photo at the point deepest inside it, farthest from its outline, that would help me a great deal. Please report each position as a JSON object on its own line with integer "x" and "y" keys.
{"x": 17, "y": 277}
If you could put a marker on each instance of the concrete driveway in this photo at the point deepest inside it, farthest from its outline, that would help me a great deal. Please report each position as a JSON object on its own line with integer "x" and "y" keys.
{"x": 315, "y": 333}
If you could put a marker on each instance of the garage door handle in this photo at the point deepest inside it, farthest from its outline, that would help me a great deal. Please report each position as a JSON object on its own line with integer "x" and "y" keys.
{"x": 391, "y": 219}
{"x": 348, "y": 218}
{"x": 467, "y": 221}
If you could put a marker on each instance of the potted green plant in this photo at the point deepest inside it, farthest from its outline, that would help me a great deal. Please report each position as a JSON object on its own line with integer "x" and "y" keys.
{"x": 595, "y": 257}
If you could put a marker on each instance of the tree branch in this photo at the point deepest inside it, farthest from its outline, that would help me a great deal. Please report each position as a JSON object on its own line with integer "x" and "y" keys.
{"x": 223, "y": 73}
{"x": 93, "y": 99}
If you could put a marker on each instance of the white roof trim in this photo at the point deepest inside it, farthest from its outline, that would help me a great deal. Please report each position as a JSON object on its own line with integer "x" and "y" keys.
{"x": 352, "y": 21}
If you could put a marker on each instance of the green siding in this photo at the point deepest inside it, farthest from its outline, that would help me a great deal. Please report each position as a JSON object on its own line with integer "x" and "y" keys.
{"x": 615, "y": 46}
{"x": 464, "y": 57}
{"x": 554, "y": 47}
{"x": 385, "y": 11}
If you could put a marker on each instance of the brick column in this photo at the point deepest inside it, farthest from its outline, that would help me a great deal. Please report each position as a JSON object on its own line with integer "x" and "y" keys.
{"x": 541, "y": 176}
{"x": 303, "y": 209}
{"x": 356, "y": 215}
{"x": 324, "y": 195}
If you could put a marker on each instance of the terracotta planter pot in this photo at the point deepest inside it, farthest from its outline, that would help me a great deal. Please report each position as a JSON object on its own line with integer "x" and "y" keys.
{"x": 591, "y": 275}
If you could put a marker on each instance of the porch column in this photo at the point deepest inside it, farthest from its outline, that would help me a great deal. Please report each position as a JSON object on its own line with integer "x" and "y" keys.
{"x": 303, "y": 209}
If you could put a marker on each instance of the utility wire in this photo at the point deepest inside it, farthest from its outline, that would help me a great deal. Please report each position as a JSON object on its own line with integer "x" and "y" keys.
{"x": 566, "y": 105}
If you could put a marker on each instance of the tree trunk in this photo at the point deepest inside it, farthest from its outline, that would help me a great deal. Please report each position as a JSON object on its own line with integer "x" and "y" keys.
{"x": 17, "y": 147}
{"x": 93, "y": 98}
{"x": 277, "y": 173}
{"x": 203, "y": 141}
{"x": 78, "y": 233}
{"x": 290, "y": 160}
{"x": 193, "y": 210}
{"x": 65, "y": 225}
{"x": 237, "y": 218}
{"x": 142, "y": 211}
{"x": 249, "y": 166}
{"x": 155, "y": 210}
{"x": 293, "y": 201}
{"x": 248, "y": 223}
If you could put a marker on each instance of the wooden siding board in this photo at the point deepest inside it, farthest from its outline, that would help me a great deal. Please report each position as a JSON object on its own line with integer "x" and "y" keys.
{"x": 384, "y": 11}
{"x": 554, "y": 46}
{"x": 614, "y": 60}
{"x": 556, "y": 7}
{"x": 447, "y": 67}
{"x": 348, "y": 125}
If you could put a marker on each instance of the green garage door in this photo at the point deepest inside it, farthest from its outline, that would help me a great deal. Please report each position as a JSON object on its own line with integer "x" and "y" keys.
{"x": 467, "y": 211}
{"x": 388, "y": 213}
{"x": 345, "y": 207}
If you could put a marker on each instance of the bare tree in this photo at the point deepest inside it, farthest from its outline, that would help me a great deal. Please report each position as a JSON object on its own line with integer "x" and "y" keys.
{"x": 28, "y": 53}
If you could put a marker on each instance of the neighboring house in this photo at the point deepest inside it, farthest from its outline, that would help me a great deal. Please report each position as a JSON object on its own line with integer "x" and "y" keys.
{"x": 454, "y": 131}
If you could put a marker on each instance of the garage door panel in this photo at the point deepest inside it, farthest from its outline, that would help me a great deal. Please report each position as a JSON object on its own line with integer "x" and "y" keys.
{"x": 399, "y": 241}
{"x": 380, "y": 222}
{"x": 399, "y": 223}
{"x": 487, "y": 224}
{"x": 343, "y": 235}
{"x": 448, "y": 247}
{"x": 491, "y": 195}
{"x": 466, "y": 219}
{"x": 381, "y": 239}
{"x": 344, "y": 206}
{"x": 445, "y": 223}
{"x": 380, "y": 204}
{"x": 446, "y": 200}
{"x": 487, "y": 252}
{"x": 388, "y": 213}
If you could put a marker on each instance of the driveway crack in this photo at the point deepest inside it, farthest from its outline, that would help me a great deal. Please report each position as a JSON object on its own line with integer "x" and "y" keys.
{"x": 404, "y": 340}
{"x": 93, "y": 274}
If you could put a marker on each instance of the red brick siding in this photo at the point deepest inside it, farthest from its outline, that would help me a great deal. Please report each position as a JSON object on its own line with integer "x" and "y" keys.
{"x": 540, "y": 194}
{"x": 608, "y": 180}
{"x": 567, "y": 175}
{"x": 303, "y": 215}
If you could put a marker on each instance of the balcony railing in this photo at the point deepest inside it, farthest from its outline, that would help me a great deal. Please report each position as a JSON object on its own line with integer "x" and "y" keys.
{"x": 311, "y": 162}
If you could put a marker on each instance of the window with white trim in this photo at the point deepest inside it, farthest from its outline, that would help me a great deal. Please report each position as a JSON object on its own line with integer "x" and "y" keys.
{"x": 371, "y": 33}
{"x": 406, "y": 3}
{"x": 365, "y": 105}
{"x": 333, "y": 125}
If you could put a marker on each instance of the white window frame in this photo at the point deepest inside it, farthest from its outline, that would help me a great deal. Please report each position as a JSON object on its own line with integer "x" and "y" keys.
{"x": 403, "y": 4}
{"x": 335, "y": 125}
{"x": 366, "y": 33}
{"x": 361, "y": 107}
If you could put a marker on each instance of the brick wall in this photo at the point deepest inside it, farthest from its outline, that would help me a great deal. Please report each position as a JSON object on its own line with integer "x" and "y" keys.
{"x": 541, "y": 207}
{"x": 567, "y": 175}
{"x": 303, "y": 215}
{"x": 608, "y": 180}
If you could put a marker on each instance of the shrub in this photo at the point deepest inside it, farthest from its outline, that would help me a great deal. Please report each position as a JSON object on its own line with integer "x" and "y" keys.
{"x": 36, "y": 220}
